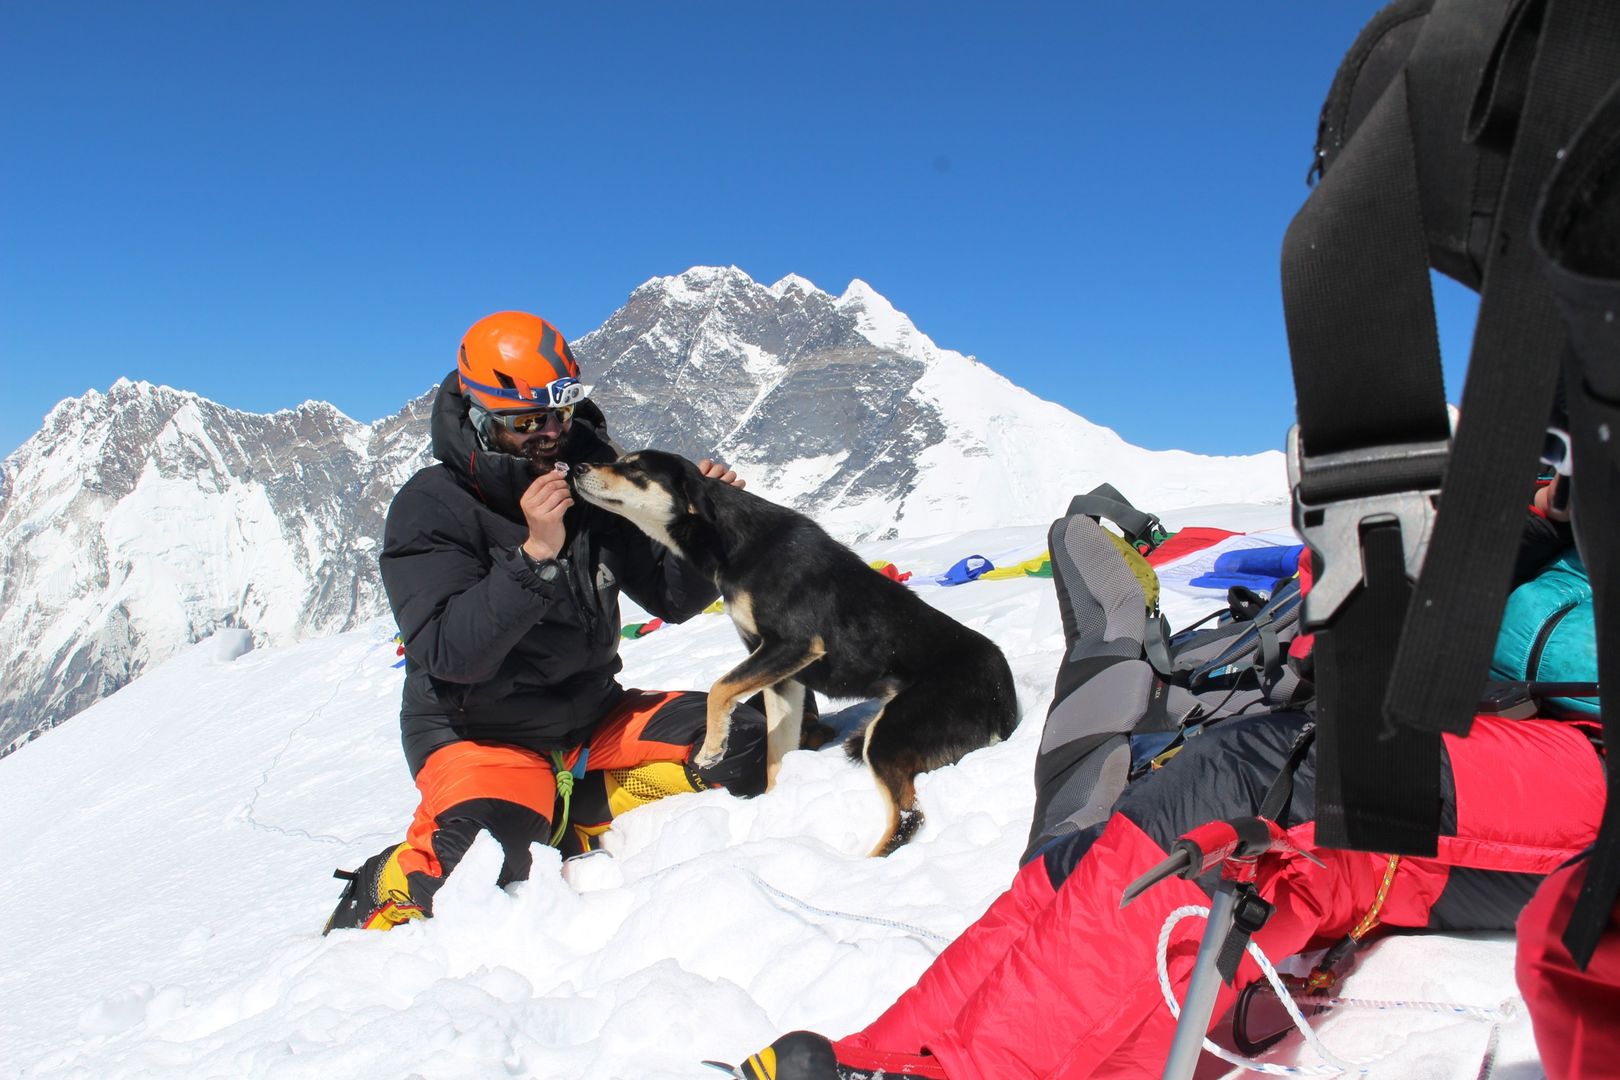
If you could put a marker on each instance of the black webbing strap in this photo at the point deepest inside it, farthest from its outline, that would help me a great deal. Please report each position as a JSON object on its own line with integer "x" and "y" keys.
{"x": 1357, "y": 299}
{"x": 1578, "y": 230}
{"x": 1249, "y": 917}
{"x": 1281, "y": 791}
{"x": 1370, "y": 443}
{"x": 1452, "y": 623}
{"x": 1379, "y": 791}
{"x": 1106, "y": 502}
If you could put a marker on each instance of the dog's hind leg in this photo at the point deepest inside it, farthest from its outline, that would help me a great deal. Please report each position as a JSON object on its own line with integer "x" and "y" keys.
{"x": 773, "y": 662}
{"x": 899, "y": 788}
{"x": 923, "y": 727}
{"x": 784, "y": 718}
{"x": 897, "y": 782}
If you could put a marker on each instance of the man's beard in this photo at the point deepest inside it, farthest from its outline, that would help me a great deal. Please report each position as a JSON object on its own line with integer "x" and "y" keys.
{"x": 542, "y": 455}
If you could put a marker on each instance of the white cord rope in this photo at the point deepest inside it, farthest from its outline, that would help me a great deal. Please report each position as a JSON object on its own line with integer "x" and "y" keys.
{"x": 1503, "y": 1013}
{"x": 929, "y": 937}
{"x": 1507, "y": 1011}
{"x": 921, "y": 933}
{"x": 1335, "y": 1064}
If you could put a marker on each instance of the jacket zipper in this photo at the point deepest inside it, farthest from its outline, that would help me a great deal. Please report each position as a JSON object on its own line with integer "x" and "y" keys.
{"x": 1532, "y": 666}
{"x": 581, "y": 560}
{"x": 586, "y": 615}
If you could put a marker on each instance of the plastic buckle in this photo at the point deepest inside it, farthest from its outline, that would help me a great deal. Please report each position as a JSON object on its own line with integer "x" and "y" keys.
{"x": 1155, "y": 527}
{"x": 1336, "y": 495}
{"x": 1557, "y": 452}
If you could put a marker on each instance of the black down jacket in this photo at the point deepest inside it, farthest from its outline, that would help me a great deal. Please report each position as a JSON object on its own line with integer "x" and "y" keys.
{"x": 498, "y": 649}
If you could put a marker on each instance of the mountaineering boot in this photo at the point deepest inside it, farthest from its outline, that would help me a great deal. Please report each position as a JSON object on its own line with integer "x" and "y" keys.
{"x": 804, "y": 1055}
{"x": 798, "y": 1055}
{"x": 377, "y": 896}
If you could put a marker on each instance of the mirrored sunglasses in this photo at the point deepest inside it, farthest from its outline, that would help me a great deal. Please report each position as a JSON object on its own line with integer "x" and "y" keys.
{"x": 527, "y": 423}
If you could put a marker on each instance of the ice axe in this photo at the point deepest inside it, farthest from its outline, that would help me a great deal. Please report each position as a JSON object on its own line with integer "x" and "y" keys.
{"x": 1236, "y": 913}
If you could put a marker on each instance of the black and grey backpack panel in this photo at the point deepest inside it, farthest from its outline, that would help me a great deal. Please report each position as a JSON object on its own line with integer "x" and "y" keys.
{"x": 1478, "y": 138}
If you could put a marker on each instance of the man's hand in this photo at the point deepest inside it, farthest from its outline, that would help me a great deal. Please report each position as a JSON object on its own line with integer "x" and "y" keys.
{"x": 716, "y": 471}
{"x": 544, "y": 504}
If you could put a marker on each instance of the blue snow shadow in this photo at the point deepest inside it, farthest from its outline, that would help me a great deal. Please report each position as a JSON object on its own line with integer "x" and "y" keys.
{"x": 848, "y": 722}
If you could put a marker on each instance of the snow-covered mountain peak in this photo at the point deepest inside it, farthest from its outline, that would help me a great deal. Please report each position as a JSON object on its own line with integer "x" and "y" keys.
{"x": 881, "y": 323}
{"x": 323, "y": 408}
{"x": 693, "y": 284}
{"x": 140, "y": 518}
{"x": 716, "y": 288}
{"x": 795, "y": 283}
{"x": 842, "y": 407}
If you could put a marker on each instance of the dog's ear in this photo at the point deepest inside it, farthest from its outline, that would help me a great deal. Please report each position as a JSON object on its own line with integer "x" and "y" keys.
{"x": 698, "y": 500}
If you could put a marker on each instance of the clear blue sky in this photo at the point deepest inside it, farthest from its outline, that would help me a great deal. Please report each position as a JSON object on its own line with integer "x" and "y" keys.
{"x": 266, "y": 203}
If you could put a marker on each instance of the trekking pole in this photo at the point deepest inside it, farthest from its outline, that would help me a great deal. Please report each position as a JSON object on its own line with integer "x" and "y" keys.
{"x": 1236, "y": 913}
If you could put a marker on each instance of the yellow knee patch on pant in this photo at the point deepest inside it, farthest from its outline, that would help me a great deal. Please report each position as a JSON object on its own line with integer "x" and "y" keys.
{"x": 643, "y": 784}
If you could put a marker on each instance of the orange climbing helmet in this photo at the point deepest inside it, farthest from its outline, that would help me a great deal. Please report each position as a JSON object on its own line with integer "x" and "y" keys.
{"x": 512, "y": 360}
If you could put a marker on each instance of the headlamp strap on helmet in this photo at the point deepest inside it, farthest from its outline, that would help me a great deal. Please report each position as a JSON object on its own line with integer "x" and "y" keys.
{"x": 553, "y": 395}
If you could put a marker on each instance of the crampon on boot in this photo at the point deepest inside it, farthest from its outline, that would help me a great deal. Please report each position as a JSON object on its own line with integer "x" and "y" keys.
{"x": 804, "y": 1055}
{"x": 377, "y": 896}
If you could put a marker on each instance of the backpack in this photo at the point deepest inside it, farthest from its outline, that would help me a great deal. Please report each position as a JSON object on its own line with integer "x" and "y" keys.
{"x": 1478, "y": 138}
{"x": 1128, "y": 692}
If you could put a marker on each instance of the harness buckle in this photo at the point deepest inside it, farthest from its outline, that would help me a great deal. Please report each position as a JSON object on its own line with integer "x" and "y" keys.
{"x": 1558, "y": 451}
{"x": 1336, "y": 495}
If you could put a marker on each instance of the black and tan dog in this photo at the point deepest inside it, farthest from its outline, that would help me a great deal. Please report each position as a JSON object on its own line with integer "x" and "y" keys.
{"x": 814, "y": 615}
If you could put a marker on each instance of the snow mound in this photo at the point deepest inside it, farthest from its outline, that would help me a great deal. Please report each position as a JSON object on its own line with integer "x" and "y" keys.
{"x": 169, "y": 857}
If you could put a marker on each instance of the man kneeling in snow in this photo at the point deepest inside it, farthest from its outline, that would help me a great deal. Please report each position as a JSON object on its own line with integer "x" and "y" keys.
{"x": 506, "y": 596}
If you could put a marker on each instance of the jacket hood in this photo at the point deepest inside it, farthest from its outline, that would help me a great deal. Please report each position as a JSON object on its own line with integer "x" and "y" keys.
{"x": 498, "y": 479}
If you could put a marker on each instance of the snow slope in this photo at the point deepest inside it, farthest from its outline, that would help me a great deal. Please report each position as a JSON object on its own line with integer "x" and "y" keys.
{"x": 168, "y": 860}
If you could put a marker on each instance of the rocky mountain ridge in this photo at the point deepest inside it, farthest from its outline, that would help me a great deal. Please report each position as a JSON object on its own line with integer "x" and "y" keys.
{"x": 143, "y": 518}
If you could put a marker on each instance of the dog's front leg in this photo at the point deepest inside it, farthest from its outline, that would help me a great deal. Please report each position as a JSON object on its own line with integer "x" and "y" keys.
{"x": 773, "y": 662}
{"x": 723, "y": 698}
{"x": 784, "y": 717}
